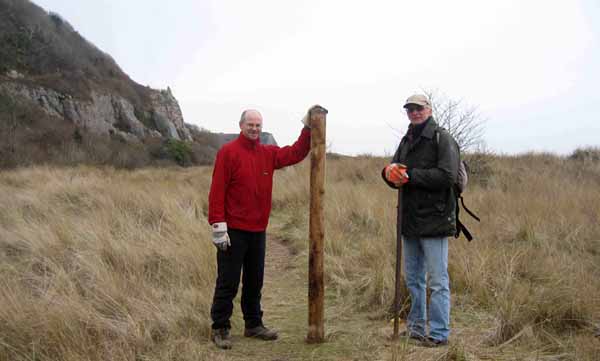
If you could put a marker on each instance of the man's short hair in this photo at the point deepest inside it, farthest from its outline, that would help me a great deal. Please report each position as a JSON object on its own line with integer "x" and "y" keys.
{"x": 243, "y": 116}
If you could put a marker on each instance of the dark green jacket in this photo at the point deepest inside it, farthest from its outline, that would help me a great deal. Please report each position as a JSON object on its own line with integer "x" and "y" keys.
{"x": 428, "y": 199}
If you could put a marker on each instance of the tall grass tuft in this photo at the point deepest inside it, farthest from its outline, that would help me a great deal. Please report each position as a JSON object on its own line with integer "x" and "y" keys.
{"x": 102, "y": 264}
{"x": 533, "y": 264}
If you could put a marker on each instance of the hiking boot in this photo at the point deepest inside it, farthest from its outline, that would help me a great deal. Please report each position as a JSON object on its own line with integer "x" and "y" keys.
{"x": 221, "y": 338}
{"x": 432, "y": 342}
{"x": 412, "y": 335}
{"x": 261, "y": 332}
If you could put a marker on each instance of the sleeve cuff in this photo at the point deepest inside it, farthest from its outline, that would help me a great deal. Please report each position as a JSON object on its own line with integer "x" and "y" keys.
{"x": 219, "y": 227}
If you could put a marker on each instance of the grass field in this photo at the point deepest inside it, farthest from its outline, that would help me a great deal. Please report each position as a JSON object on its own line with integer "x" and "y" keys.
{"x": 105, "y": 264}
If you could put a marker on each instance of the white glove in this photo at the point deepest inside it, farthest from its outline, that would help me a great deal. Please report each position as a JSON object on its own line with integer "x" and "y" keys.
{"x": 306, "y": 120}
{"x": 220, "y": 236}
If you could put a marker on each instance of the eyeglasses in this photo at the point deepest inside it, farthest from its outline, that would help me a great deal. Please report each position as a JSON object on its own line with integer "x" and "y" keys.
{"x": 416, "y": 108}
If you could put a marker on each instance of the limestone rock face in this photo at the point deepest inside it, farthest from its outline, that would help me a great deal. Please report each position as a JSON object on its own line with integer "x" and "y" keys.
{"x": 167, "y": 115}
{"x": 126, "y": 119}
{"x": 164, "y": 126}
{"x": 107, "y": 113}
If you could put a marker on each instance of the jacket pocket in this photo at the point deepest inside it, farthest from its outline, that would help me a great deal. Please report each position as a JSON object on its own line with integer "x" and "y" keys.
{"x": 440, "y": 206}
{"x": 431, "y": 203}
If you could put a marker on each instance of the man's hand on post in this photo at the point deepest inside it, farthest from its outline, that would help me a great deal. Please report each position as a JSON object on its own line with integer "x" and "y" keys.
{"x": 396, "y": 173}
{"x": 315, "y": 108}
{"x": 220, "y": 236}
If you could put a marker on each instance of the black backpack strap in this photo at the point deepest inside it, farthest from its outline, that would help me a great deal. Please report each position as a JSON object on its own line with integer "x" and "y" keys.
{"x": 462, "y": 201}
{"x": 461, "y": 228}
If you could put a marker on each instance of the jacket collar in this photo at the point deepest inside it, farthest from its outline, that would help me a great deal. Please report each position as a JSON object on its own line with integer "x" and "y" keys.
{"x": 429, "y": 130}
{"x": 248, "y": 143}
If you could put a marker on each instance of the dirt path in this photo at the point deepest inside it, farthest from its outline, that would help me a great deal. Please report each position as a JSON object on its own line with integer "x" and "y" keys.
{"x": 284, "y": 307}
{"x": 350, "y": 336}
{"x": 278, "y": 260}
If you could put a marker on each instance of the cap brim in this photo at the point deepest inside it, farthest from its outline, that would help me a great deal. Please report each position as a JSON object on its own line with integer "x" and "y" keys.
{"x": 423, "y": 104}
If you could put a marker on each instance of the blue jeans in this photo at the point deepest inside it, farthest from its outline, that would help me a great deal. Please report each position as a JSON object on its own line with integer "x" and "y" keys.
{"x": 428, "y": 256}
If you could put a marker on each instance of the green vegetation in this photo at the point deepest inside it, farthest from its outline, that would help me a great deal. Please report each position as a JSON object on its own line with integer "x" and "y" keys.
{"x": 179, "y": 151}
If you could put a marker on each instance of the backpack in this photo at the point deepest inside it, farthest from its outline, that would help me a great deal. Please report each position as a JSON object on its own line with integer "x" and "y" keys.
{"x": 460, "y": 186}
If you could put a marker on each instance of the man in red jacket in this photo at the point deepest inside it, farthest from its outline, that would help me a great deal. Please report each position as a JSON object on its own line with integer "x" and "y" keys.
{"x": 239, "y": 207}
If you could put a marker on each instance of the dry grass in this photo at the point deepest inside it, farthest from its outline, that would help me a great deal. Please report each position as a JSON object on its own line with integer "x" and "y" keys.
{"x": 102, "y": 264}
{"x": 99, "y": 264}
{"x": 533, "y": 265}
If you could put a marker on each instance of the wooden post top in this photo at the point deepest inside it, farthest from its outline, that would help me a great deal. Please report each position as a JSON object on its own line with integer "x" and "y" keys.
{"x": 317, "y": 114}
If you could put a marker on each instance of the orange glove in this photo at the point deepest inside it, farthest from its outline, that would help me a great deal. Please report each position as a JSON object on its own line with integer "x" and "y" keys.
{"x": 396, "y": 173}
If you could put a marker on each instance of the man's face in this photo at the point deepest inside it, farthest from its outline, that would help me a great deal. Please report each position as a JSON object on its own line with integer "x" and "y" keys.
{"x": 251, "y": 125}
{"x": 417, "y": 114}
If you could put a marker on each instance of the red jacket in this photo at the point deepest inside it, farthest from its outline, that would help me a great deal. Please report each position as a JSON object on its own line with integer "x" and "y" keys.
{"x": 242, "y": 180}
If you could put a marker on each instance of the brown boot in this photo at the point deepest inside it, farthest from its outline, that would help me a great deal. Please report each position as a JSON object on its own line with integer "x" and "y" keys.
{"x": 412, "y": 336}
{"x": 261, "y": 332}
{"x": 221, "y": 338}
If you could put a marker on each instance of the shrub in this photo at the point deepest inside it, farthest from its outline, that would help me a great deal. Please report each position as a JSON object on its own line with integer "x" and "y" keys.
{"x": 179, "y": 151}
{"x": 586, "y": 154}
{"x": 480, "y": 167}
{"x": 174, "y": 150}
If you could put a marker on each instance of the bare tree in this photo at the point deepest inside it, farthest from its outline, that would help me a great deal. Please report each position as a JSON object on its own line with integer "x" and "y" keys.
{"x": 463, "y": 122}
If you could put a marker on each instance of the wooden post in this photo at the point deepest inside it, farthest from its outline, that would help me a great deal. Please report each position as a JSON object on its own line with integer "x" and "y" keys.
{"x": 398, "y": 291}
{"x": 316, "y": 288}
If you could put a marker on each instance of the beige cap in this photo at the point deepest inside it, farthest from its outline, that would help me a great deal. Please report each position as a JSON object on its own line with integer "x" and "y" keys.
{"x": 418, "y": 99}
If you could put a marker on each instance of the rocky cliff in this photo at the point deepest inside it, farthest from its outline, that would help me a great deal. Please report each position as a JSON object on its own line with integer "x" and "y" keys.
{"x": 105, "y": 113}
{"x": 45, "y": 61}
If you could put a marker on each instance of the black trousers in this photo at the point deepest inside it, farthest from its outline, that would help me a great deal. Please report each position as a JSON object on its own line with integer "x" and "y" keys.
{"x": 247, "y": 252}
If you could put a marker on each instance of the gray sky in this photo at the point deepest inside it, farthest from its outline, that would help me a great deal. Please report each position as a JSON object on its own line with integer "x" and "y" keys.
{"x": 530, "y": 66}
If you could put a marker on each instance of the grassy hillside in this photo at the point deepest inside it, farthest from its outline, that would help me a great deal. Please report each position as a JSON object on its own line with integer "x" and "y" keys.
{"x": 47, "y": 49}
{"x": 100, "y": 264}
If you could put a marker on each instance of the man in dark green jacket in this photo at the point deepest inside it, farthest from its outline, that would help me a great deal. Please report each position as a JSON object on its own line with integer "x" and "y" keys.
{"x": 425, "y": 167}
